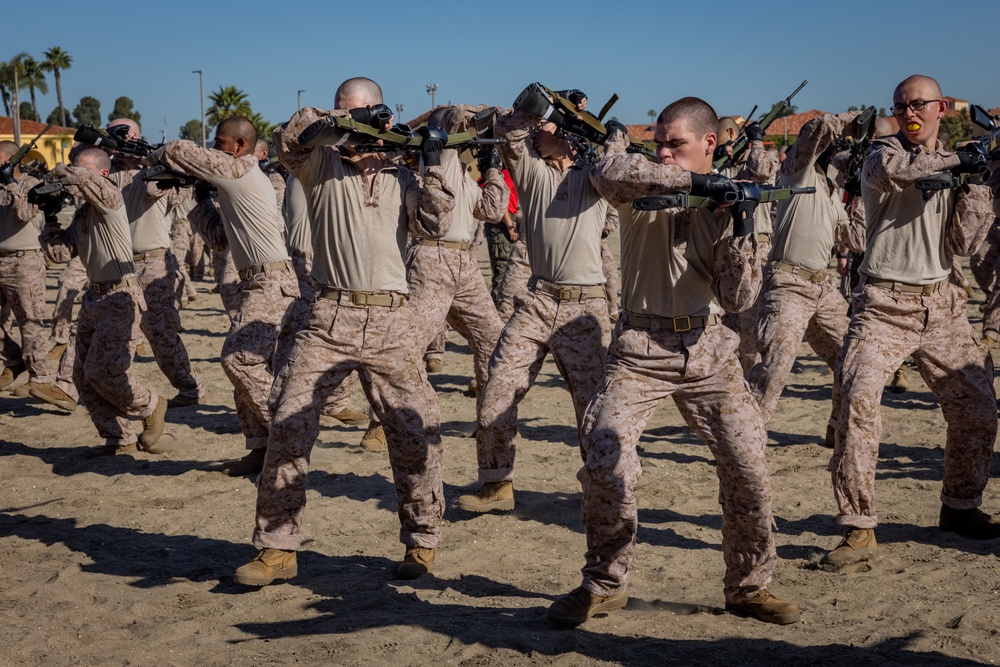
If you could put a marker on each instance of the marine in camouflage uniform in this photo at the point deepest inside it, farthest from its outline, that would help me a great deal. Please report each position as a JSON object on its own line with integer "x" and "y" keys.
{"x": 907, "y": 306}
{"x": 358, "y": 323}
{"x": 108, "y": 324}
{"x": 565, "y": 308}
{"x": 22, "y": 275}
{"x": 248, "y": 222}
{"x": 681, "y": 268}
{"x": 801, "y": 297}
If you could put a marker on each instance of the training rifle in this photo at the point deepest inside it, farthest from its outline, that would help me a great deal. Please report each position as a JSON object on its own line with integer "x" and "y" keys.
{"x": 742, "y": 143}
{"x": 985, "y": 144}
{"x": 363, "y": 130}
{"x": 50, "y": 198}
{"x": 166, "y": 178}
{"x": 762, "y": 194}
{"x": 863, "y": 133}
{"x": 578, "y": 125}
{"x": 114, "y": 138}
{"x": 7, "y": 170}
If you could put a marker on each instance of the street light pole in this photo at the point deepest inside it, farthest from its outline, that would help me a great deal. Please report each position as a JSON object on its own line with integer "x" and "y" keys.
{"x": 399, "y": 111}
{"x": 201, "y": 96}
{"x": 299, "y": 98}
{"x": 431, "y": 89}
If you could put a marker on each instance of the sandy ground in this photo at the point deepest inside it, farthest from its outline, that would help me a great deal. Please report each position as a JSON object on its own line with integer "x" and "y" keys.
{"x": 129, "y": 560}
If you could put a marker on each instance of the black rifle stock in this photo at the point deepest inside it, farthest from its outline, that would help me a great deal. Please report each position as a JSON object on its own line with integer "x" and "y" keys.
{"x": 742, "y": 143}
{"x": 949, "y": 179}
{"x": 761, "y": 194}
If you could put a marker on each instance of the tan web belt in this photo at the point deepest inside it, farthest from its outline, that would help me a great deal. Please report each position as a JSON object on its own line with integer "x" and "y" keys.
{"x": 107, "y": 288}
{"x": 251, "y": 271}
{"x": 801, "y": 271}
{"x": 385, "y": 299}
{"x": 459, "y": 245}
{"x": 676, "y": 324}
{"x": 17, "y": 253}
{"x": 563, "y": 293}
{"x": 906, "y": 288}
{"x": 149, "y": 254}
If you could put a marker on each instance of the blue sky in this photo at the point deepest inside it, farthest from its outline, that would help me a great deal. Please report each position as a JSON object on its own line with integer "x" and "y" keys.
{"x": 732, "y": 54}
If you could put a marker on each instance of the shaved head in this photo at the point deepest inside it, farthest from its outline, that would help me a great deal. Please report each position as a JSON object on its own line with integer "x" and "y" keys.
{"x": 261, "y": 149}
{"x": 697, "y": 113}
{"x": 357, "y": 92}
{"x": 239, "y": 127}
{"x": 135, "y": 131}
{"x": 7, "y": 149}
{"x": 927, "y": 85}
{"x": 92, "y": 158}
{"x": 728, "y": 130}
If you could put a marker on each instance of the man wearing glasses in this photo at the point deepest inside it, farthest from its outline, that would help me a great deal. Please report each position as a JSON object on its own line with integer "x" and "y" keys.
{"x": 907, "y": 306}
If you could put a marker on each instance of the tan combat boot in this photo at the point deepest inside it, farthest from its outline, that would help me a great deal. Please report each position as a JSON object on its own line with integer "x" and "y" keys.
{"x": 251, "y": 464}
{"x": 53, "y": 395}
{"x": 574, "y": 608}
{"x": 416, "y": 561}
{"x": 899, "y": 385}
{"x": 974, "y": 524}
{"x": 491, "y": 496}
{"x": 857, "y": 546}
{"x": 152, "y": 426}
{"x": 10, "y": 374}
{"x": 374, "y": 438}
{"x": 766, "y": 607}
{"x": 350, "y": 417}
{"x": 56, "y": 353}
{"x": 434, "y": 366}
{"x": 267, "y": 565}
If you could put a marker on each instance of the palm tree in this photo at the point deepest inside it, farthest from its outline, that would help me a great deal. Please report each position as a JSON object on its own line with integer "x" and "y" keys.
{"x": 263, "y": 127}
{"x": 226, "y": 102}
{"x": 31, "y": 76}
{"x": 57, "y": 60}
{"x": 6, "y": 84}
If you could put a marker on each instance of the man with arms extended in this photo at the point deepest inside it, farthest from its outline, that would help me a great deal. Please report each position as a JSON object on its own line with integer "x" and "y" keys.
{"x": 108, "y": 323}
{"x": 360, "y": 208}
{"x": 907, "y": 306}
{"x": 681, "y": 268}
{"x": 248, "y": 222}
{"x": 22, "y": 274}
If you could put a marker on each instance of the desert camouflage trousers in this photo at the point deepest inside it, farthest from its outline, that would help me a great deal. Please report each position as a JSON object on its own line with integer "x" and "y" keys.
{"x": 299, "y": 314}
{"x": 107, "y": 332}
{"x": 257, "y": 346}
{"x": 513, "y": 288}
{"x": 886, "y": 327}
{"x": 161, "y": 322}
{"x": 447, "y": 287}
{"x": 22, "y": 287}
{"x": 744, "y": 323}
{"x": 377, "y": 343}
{"x": 72, "y": 282}
{"x": 699, "y": 369}
{"x": 180, "y": 246}
{"x": 792, "y": 307}
{"x": 576, "y": 332}
{"x": 227, "y": 279}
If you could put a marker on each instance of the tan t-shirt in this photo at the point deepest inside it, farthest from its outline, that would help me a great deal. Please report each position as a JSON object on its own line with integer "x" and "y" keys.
{"x": 100, "y": 226}
{"x": 563, "y": 215}
{"x": 472, "y": 203}
{"x": 359, "y": 224}
{"x": 246, "y": 197}
{"x": 146, "y": 206}
{"x": 298, "y": 235}
{"x": 20, "y": 221}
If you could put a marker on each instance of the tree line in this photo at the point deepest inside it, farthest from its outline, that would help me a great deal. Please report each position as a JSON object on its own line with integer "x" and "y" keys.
{"x": 29, "y": 74}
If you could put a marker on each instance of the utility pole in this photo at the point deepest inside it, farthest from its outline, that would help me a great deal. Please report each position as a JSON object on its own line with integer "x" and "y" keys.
{"x": 299, "y": 98}
{"x": 201, "y": 96}
{"x": 431, "y": 89}
{"x": 399, "y": 112}
{"x": 17, "y": 105}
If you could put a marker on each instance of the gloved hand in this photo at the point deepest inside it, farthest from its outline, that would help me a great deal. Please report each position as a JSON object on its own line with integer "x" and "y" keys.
{"x": 721, "y": 152}
{"x": 743, "y": 217}
{"x": 489, "y": 159}
{"x": 972, "y": 158}
{"x": 712, "y": 186}
{"x": 753, "y": 131}
{"x": 6, "y": 173}
{"x": 434, "y": 139}
{"x": 204, "y": 190}
{"x": 613, "y": 125}
{"x": 377, "y": 116}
